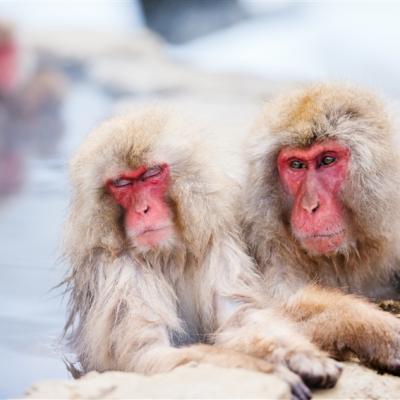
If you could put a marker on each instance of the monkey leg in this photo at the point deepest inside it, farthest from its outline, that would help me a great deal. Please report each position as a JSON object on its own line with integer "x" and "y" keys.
{"x": 345, "y": 324}
{"x": 262, "y": 333}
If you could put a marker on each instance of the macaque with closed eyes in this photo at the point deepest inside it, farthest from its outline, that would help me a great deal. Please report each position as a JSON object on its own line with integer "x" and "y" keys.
{"x": 158, "y": 273}
{"x": 321, "y": 217}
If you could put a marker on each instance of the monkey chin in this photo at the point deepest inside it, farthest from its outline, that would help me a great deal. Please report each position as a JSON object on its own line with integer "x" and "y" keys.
{"x": 323, "y": 243}
{"x": 162, "y": 238}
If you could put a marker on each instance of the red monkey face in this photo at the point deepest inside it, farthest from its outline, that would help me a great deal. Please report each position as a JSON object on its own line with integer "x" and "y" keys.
{"x": 313, "y": 178}
{"x": 142, "y": 194}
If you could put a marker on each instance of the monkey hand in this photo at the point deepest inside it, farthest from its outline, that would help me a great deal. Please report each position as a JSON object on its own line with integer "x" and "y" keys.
{"x": 314, "y": 367}
{"x": 266, "y": 335}
{"x": 233, "y": 359}
{"x": 299, "y": 355}
{"x": 344, "y": 325}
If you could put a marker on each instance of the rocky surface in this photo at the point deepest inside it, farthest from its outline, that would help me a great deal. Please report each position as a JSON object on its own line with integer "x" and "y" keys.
{"x": 358, "y": 382}
{"x": 206, "y": 381}
{"x": 188, "y": 382}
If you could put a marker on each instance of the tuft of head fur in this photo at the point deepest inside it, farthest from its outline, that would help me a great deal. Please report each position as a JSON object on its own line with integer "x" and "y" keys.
{"x": 357, "y": 119}
{"x": 150, "y": 136}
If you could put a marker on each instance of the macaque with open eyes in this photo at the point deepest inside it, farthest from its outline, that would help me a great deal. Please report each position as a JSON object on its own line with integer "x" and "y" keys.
{"x": 158, "y": 274}
{"x": 321, "y": 217}
{"x": 313, "y": 179}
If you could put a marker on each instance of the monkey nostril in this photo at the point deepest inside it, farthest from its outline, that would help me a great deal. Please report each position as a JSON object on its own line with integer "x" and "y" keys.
{"x": 315, "y": 208}
{"x": 146, "y": 210}
{"x": 311, "y": 208}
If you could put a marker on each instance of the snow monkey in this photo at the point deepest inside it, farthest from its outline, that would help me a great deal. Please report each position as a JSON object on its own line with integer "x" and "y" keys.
{"x": 321, "y": 217}
{"x": 159, "y": 277}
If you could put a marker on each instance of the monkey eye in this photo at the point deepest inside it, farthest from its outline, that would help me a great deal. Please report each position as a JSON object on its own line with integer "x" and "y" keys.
{"x": 297, "y": 164}
{"x": 151, "y": 172}
{"x": 121, "y": 182}
{"x": 327, "y": 160}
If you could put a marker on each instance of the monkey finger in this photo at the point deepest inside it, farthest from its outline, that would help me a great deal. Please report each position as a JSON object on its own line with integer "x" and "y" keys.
{"x": 392, "y": 367}
{"x": 300, "y": 391}
{"x": 316, "y": 371}
{"x": 298, "y": 388}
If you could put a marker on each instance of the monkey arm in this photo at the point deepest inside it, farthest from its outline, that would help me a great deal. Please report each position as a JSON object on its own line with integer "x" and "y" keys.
{"x": 247, "y": 325}
{"x": 345, "y": 324}
{"x": 130, "y": 313}
{"x": 263, "y": 333}
{"x": 142, "y": 343}
{"x": 129, "y": 322}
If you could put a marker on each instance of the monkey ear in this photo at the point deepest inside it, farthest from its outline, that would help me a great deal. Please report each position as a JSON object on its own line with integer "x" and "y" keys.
{"x": 93, "y": 224}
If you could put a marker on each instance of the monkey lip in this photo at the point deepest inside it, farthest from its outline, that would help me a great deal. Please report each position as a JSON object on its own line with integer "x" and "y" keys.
{"x": 323, "y": 235}
{"x": 153, "y": 229}
{"x": 323, "y": 243}
{"x": 153, "y": 236}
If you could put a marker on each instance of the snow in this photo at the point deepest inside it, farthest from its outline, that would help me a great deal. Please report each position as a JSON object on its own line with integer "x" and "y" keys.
{"x": 48, "y": 15}
{"x": 355, "y": 41}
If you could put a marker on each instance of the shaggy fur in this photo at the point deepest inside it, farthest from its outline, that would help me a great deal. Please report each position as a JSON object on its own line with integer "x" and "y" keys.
{"x": 148, "y": 311}
{"x": 368, "y": 264}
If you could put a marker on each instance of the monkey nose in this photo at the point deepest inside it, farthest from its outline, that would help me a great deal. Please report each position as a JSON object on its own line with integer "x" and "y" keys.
{"x": 310, "y": 206}
{"x": 144, "y": 209}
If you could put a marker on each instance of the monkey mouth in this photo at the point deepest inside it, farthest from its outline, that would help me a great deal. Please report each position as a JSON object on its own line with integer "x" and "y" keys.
{"x": 324, "y": 235}
{"x": 323, "y": 243}
{"x": 155, "y": 229}
{"x": 151, "y": 237}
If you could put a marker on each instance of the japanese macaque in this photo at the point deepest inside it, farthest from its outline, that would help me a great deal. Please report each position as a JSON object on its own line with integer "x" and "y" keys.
{"x": 158, "y": 273}
{"x": 321, "y": 217}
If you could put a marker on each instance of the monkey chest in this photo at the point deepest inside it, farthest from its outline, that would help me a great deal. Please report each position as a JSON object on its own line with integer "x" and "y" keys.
{"x": 189, "y": 312}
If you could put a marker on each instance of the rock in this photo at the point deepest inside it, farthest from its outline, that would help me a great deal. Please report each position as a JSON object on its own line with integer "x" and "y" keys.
{"x": 358, "y": 382}
{"x": 206, "y": 381}
{"x": 188, "y": 382}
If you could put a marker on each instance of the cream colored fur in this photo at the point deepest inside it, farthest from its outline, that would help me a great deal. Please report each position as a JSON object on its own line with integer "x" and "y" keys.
{"x": 197, "y": 299}
{"x": 369, "y": 262}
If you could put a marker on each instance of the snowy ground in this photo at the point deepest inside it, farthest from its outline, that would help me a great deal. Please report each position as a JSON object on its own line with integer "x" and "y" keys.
{"x": 355, "y": 41}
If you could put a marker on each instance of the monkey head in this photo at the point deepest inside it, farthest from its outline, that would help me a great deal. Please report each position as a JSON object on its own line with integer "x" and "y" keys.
{"x": 328, "y": 166}
{"x": 142, "y": 182}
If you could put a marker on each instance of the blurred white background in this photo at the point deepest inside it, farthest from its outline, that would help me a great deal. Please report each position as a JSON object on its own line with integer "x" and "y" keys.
{"x": 356, "y": 41}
